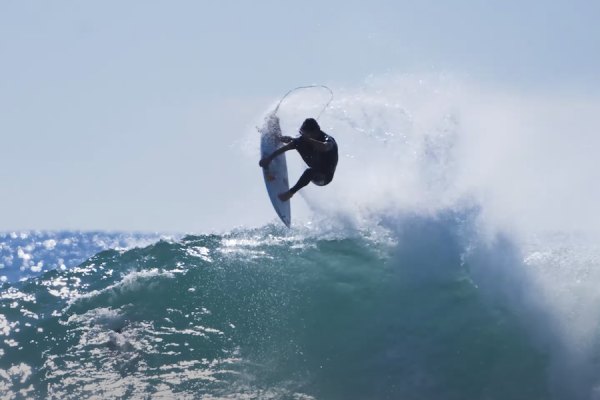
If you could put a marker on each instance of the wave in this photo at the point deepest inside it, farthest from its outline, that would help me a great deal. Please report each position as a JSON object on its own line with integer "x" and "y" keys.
{"x": 273, "y": 314}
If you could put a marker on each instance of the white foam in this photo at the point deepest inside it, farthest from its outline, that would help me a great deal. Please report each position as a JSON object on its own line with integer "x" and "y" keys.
{"x": 201, "y": 252}
{"x": 49, "y": 244}
{"x": 4, "y": 325}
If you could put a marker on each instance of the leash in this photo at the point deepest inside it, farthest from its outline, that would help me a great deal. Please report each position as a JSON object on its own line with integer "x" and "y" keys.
{"x": 307, "y": 87}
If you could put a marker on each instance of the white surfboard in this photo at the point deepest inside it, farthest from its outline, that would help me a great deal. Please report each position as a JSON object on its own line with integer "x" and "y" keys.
{"x": 276, "y": 176}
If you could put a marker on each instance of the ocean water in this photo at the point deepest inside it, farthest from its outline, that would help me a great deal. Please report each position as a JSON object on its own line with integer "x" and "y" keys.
{"x": 451, "y": 258}
{"x": 271, "y": 313}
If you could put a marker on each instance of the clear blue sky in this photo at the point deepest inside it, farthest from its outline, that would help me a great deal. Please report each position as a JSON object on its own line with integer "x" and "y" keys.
{"x": 126, "y": 114}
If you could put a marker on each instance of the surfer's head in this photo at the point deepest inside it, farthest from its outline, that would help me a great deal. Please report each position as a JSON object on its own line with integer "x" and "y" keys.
{"x": 310, "y": 127}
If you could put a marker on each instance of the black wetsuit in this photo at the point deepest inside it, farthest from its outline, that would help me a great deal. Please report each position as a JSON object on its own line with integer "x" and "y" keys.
{"x": 322, "y": 163}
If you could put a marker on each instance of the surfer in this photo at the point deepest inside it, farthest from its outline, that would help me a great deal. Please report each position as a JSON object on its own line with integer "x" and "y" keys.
{"x": 318, "y": 150}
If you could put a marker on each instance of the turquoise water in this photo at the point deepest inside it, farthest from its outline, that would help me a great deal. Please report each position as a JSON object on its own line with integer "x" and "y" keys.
{"x": 272, "y": 313}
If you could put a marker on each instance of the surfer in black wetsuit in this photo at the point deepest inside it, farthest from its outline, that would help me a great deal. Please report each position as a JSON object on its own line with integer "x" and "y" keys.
{"x": 318, "y": 150}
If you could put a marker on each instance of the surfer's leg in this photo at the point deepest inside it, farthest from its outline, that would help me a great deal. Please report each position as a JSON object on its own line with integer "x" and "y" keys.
{"x": 304, "y": 180}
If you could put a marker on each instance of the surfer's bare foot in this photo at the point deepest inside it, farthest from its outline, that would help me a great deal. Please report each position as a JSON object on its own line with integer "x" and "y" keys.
{"x": 285, "y": 196}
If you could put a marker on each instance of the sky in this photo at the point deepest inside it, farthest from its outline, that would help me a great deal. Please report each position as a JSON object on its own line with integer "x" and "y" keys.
{"x": 131, "y": 115}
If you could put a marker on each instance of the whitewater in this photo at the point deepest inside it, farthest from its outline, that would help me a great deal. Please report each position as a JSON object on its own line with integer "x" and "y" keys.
{"x": 454, "y": 256}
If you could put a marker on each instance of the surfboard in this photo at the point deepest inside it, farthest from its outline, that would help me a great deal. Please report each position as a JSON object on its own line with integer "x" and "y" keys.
{"x": 275, "y": 175}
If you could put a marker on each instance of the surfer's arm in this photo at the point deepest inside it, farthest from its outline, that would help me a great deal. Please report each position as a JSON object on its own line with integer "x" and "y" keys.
{"x": 281, "y": 150}
{"x": 267, "y": 160}
{"x": 320, "y": 146}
